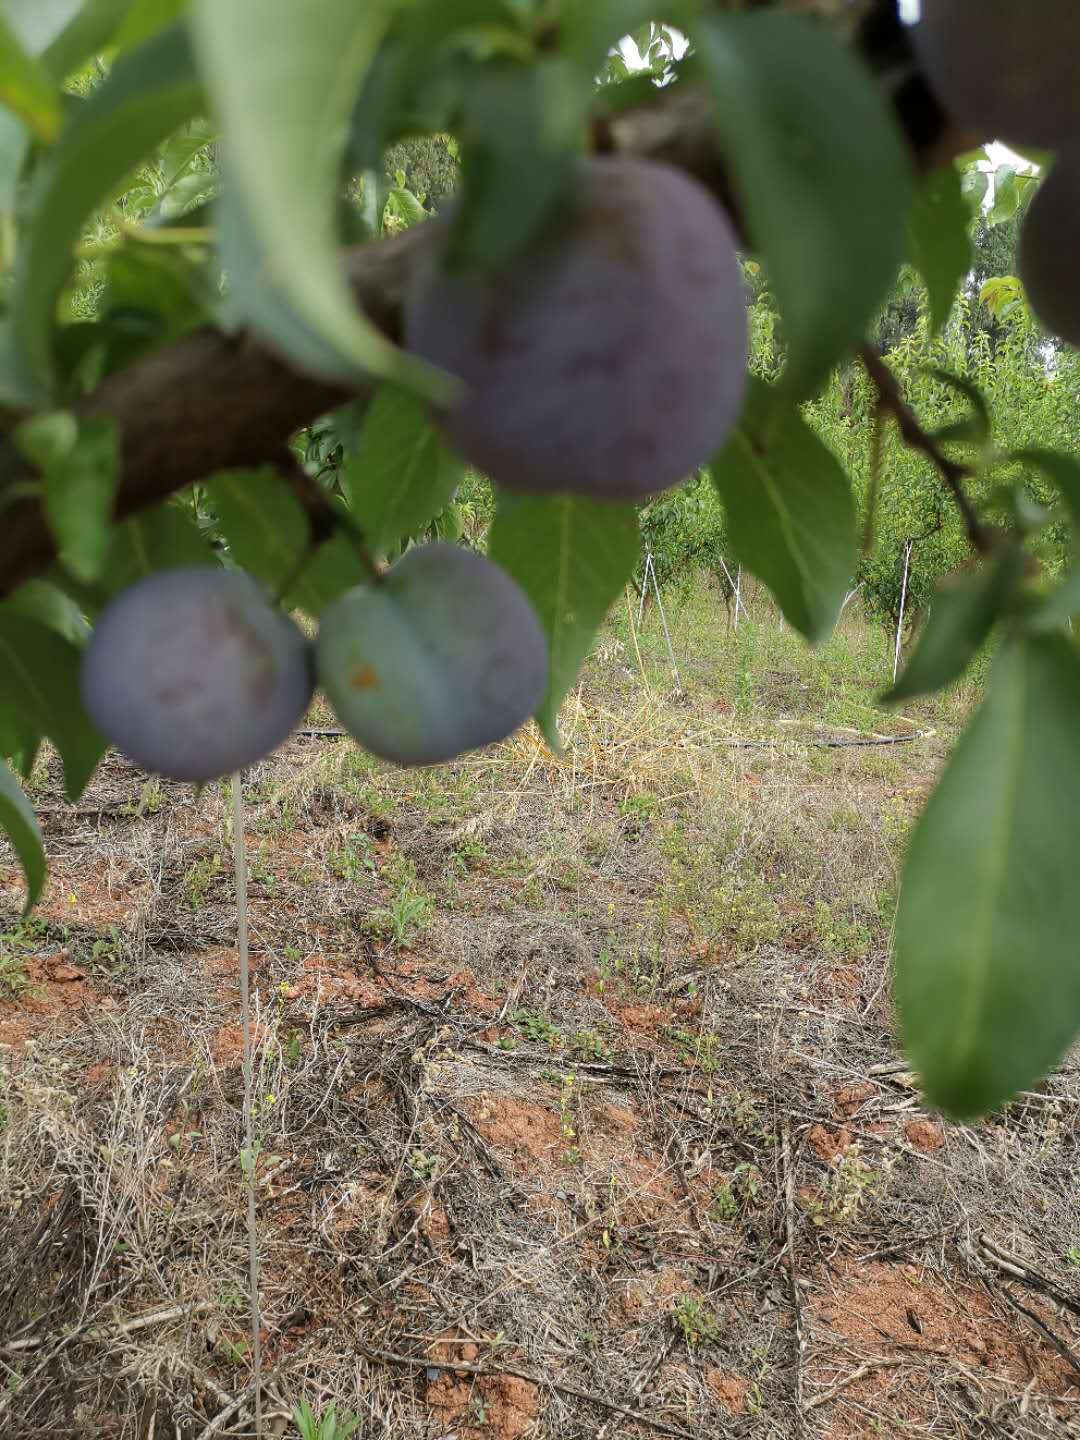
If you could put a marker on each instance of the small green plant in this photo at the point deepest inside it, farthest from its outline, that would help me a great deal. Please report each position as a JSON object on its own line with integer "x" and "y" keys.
{"x": 200, "y": 878}
{"x": 423, "y": 1166}
{"x": 407, "y": 916}
{"x": 15, "y": 943}
{"x": 737, "y": 1194}
{"x": 695, "y": 1321}
{"x": 699, "y": 1048}
{"x": 328, "y": 1426}
{"x": 850, "y": 1185}
{"x": 640, "y": 807}
{"x": 1072, "y": 1255}
{"x": 469, "y": 854}
{"x": 537, "y": 1028}
{"x": 590, "y": 1045}
{"x": 354, "y": 860}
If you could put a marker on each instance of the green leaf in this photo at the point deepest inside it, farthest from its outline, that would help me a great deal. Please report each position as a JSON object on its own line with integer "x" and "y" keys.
{"x": 1063, "y": 471}
{"x": 18, "y": 823}
{"x": 403, "y": 475}
{"x": 791, "y": 512}
{"x": 820, "y": 176}
{"x": 147, "y": 95}
{"x": 64, "y": 32}
{"x": 43, "y": 601}
{"x": 1001, "y": 293}
{"x": 166, "y": 538}
{"x": 987, "y": 979}
{"x": 80, "y": 490}
{"x": 269, "y": 534}
{"x": 284, "y": 106}
{"x": 974, "y": 185}
{"x": 961, "y": 618}
{"x": 1058, "y": 608}
{"x": 26, "y": 87}
{"x": 572, "y": 557}
{"x": 145, "y": 18}
{"x": 976, "y": 427}
{"x": 14, "y": 146}
{"x": 41, "y": 688}
{"x": 939, "y": 241}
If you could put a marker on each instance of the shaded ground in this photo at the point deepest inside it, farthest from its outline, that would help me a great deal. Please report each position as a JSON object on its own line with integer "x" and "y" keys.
{"x": 577, "y": 1091}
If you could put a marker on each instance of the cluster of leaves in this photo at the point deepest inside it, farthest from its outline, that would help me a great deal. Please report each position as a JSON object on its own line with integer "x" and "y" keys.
{"x": 174, "y": 172}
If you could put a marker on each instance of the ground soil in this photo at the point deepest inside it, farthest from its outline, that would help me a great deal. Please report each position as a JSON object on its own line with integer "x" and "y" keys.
{"x": 527, "y": 1164}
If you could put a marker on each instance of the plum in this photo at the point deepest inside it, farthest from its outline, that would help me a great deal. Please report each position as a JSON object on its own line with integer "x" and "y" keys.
{"x": 1004, "y": 69}
{"x": 1049, "y": 266}
{"x": 444, "y": 655}
{"x": 609, "y": 359}
{"x": 193, "y": 674}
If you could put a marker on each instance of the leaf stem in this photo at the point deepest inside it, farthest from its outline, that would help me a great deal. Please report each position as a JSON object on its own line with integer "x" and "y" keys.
{"x": 891, "y": 402}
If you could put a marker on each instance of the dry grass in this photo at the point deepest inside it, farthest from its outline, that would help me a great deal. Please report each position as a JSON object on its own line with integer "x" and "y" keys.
{"x": 578, "y": 1096}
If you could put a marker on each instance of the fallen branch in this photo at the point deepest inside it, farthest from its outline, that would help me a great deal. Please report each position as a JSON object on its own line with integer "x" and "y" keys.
{"x": 827, "y": 1396}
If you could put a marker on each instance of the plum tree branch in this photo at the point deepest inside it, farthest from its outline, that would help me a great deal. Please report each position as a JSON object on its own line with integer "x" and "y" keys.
{"x": 891, "y": 402}
{"x": 216, "y": 401}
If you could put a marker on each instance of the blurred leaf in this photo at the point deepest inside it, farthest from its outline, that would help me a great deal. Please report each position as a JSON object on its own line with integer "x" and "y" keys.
{"x": 1058, "y": 608}
{"x": 572, "y": 557}
{"x": 147, "y": 95}
{"x": 26, "y": 87}
{"x": 16, "y": 391}
{"x": 1063, "y": 471}
{"x": 145, "y": 18}
{"x": 18, "y": 823}
{"x": 79, "y": 494}
{"x": 42, "y": 600}
{"x": 521, "y": 130}
{"x": 41, "y": 687}
{"x": 90, "y": 28}
{"x": 987, "y": 980}
{"x": 14, "y": 145}
{"x": 284, "y": 105}
{"x": 790, "y": 510}
{"x": 961, "y": 618}
{"x": 975, "y": 428}
{"x": 269, "y": 535}
{"x": 403, "y": 474}
{"x": 938, "y": 236}
{"x": 822, "y": 185}
{"x": 165, "y": 538}
{"x": 974, "y": 185}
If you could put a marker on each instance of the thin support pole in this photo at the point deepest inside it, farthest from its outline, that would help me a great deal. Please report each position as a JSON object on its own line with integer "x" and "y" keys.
{"x": 848, "y": 599}
{"x": 736, "y": 590}
{"x": 248, "y": 1167}
{"x": 903, "y": 605}
{"x": 644, "y": 585}
{"x": 667, "y": 632}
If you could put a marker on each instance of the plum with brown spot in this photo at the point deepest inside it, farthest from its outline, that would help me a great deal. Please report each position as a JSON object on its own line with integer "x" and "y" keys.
{"x": 444, "y": 655}
{"x": 193, "y": 674}
{"x": 609, "y": 358}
